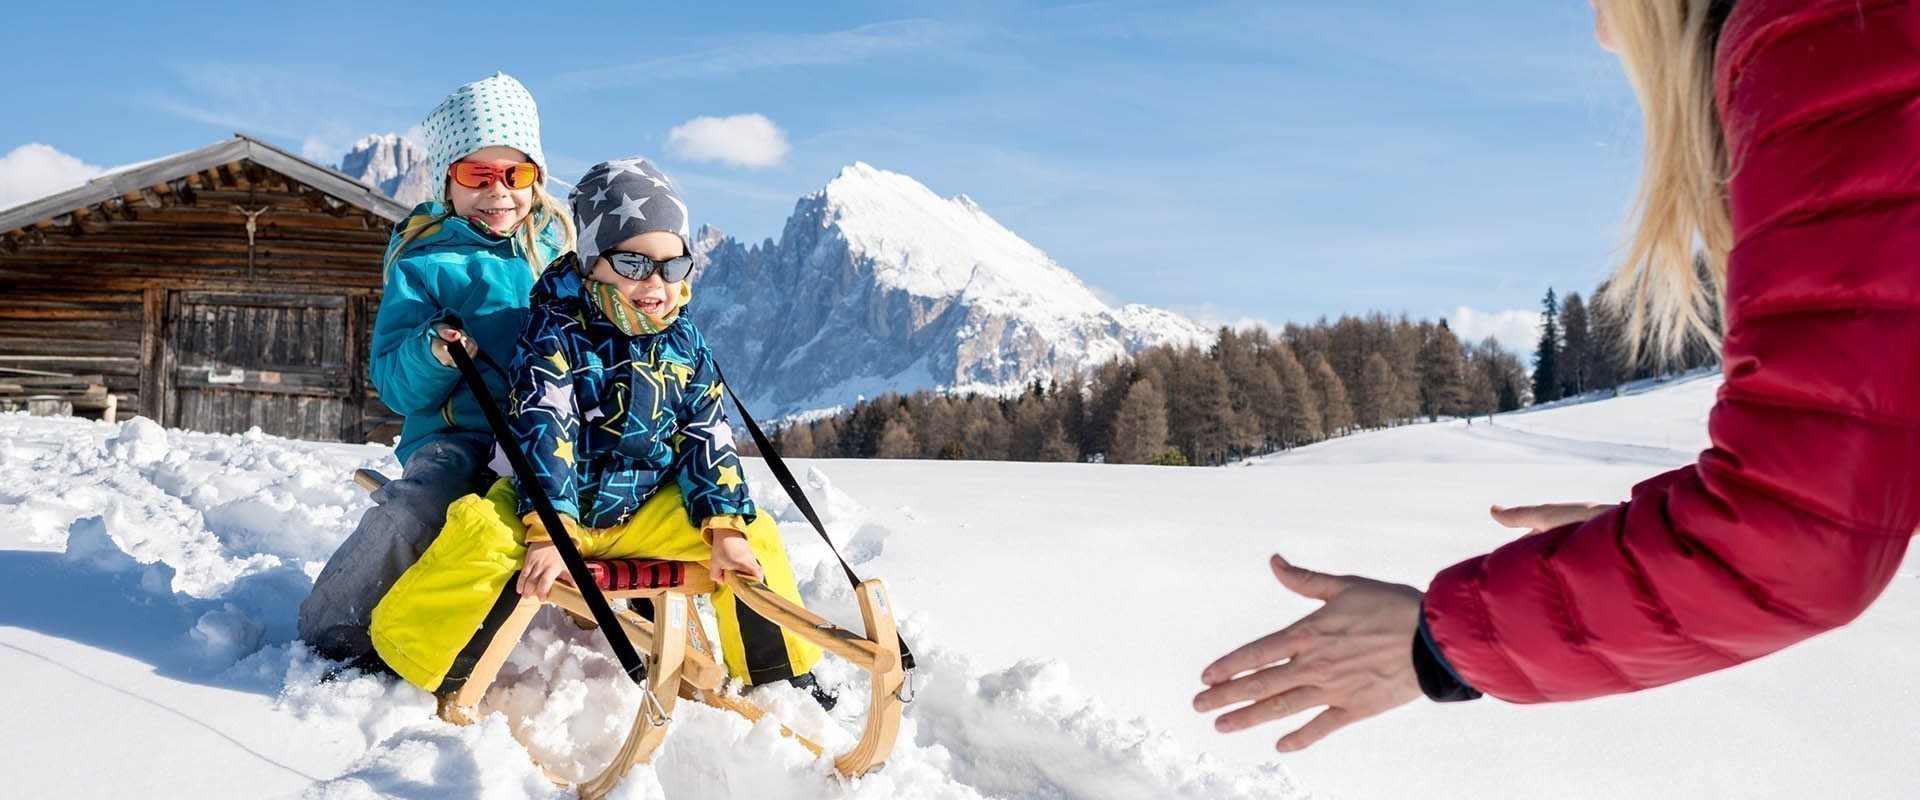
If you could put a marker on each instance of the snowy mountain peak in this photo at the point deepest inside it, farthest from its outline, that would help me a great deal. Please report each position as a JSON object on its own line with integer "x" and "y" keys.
{"x": 938, "y": 247}
{"x": 391, "y": 163}
{"x": 878, "y": 284}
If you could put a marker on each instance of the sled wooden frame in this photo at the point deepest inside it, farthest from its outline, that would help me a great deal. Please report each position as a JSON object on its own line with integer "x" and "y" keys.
{"x": 682, "y": 662}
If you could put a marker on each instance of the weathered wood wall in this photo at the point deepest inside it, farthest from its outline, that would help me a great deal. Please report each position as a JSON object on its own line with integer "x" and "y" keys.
{"x": 161, "y": 293}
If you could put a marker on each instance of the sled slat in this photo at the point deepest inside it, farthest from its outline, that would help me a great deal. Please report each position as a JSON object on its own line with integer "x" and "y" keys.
{"x": 814, "y": 628}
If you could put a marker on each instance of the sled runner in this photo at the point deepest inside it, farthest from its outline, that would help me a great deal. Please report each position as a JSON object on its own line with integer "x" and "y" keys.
{"x": 682, "y": 662}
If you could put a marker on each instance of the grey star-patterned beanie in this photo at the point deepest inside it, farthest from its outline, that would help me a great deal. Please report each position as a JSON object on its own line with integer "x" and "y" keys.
{"x": 623, "y": 198}
{"x": 487, "y": 112}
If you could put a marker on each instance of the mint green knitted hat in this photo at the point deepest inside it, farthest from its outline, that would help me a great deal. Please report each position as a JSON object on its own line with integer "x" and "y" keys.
{"x": 487, "y": 112}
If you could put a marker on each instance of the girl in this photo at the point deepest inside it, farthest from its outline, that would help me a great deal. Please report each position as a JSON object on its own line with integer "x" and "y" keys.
{"x": 1780, "y": 137}
{"x": 618, "y": 405}
{"x": 458, "y": 272}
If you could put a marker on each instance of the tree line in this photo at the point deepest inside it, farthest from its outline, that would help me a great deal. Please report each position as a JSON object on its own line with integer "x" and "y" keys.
{"x": 1250, "y": 393}
{"x": 1583, "y": 348}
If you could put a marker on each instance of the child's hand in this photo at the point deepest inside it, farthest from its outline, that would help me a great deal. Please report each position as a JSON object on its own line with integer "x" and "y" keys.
{"x": 543, "y": 566}
{"x": 442, "y": 334}
{"x": 731, "y": 552}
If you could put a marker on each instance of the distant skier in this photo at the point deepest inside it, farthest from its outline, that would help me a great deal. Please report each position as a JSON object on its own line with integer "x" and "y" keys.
{"x": 458, "y": 270}
{"x": 1787, "y": 136}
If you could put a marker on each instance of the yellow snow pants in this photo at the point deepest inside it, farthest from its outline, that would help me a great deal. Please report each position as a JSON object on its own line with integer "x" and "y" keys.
{"x": 443, "y": 612}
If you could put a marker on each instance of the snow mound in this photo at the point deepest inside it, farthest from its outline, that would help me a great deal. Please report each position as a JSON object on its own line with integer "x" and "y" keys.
{"x": 206, "y": 545}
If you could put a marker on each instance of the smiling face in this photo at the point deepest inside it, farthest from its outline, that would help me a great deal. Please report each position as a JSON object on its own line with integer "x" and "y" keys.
{"x": 654, "y": 297}
{"x": 496, "y": 206}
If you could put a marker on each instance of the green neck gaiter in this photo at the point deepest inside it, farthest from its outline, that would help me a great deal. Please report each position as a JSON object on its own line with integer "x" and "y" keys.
{"x": 631, "y": 321}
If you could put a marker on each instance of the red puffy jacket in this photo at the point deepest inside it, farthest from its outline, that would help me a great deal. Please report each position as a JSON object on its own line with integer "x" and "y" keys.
{"x": 1797, "y": 516}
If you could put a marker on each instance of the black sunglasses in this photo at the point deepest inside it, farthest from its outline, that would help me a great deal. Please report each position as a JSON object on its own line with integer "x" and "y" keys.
{"x": 635, "y": 266}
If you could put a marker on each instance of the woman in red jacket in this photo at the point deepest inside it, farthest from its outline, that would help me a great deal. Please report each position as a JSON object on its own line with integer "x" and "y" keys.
{"x": 1783, "y": 136}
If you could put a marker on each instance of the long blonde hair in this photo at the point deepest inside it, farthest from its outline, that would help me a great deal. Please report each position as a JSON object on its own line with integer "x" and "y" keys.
{"x": 543, "y": 212}
{"x": 1667, "y": 47}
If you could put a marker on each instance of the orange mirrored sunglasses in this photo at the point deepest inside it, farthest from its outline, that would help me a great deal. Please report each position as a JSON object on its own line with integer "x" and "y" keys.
{"x": 475, "y": 175}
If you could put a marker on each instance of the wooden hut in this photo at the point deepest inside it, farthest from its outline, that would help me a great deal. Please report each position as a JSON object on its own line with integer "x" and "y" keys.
{"x": 216, "y": 290}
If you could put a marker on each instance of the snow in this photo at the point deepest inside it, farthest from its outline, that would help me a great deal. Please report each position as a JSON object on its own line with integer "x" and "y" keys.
{"x": 907, "y": 229}
{"x": 1061, "y": 614}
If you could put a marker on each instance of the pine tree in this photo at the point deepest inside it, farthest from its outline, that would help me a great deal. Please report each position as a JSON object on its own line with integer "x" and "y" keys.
{"x": 1336, "y": 412}
{"x": 896, "y": 439}
{"x": 1303, "y": 420}
{"x": 1576, "y": 348}
{"x": 1055, "y": 447}
{"x": 1373, "y": 394}
{"x": 1140, "y": 429}
{"x": 1199, "y": 413}
{"x": 1607, "y": 329}
{"x": 1442, "y": 388}
{"x": 1546, "y": 357}
{"x": 795, "y": 441}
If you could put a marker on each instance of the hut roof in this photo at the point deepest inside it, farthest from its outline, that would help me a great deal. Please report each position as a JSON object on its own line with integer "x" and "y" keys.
{"x": 134, "y": 179}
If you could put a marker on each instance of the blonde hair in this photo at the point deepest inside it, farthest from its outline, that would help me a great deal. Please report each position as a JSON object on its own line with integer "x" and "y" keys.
{"x": 1667, "y": 47}
{"x": 543, "y": 212}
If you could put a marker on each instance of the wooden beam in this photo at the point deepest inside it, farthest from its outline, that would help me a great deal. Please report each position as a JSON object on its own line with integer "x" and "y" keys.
{"x": 152, "y": 384}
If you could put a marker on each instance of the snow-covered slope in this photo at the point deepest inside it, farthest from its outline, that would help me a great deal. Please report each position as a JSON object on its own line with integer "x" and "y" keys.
{"x": 1062, "y": 613}
{"x": 879, "y": 284}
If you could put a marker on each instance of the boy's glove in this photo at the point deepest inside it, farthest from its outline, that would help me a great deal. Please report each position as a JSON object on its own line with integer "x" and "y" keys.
{"x": 537, "y": 531}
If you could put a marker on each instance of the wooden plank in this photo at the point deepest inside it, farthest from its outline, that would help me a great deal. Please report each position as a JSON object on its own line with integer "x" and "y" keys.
{"x": 153, "y": 382}
{"x": 353, "y": 416}
{"x": 163, "y": 402}
{"x": 232, "y": 269}
{"x": 264, "y": 299}
{"x": 31, "y": 350}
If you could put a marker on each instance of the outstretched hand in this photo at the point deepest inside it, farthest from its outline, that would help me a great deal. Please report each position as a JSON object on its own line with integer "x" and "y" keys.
{"x": 1547, "y": 516}
{"x": 1353, "y": 655}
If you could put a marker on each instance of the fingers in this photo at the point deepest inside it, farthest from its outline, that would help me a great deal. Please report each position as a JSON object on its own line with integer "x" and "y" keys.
{"x": 1252, "y": 686}
{"x": 1268, "y": 709}
{"x": 1277, "y": 646}
{"x": 1515, "y": 517}
{"x": 1546, "y": 516}
{"x": 537, "y": 576}
{"x": 1327, "y": 722}
{"x": 1304, "y": 582}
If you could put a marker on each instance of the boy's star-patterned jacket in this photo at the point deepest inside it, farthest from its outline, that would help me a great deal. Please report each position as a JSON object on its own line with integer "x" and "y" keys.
{"x": 606, "y": 419}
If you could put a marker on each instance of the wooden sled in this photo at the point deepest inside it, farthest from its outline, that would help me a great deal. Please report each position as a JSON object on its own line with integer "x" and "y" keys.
{"x": 683, "y": 662}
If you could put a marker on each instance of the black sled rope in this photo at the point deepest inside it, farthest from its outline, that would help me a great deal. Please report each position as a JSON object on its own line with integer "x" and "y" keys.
{"x": 780, "y": 472}
{"x": 543, "y": 505}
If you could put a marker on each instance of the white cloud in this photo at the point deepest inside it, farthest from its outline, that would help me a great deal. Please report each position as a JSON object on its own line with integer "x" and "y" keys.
{"x": 1517, "y": 329}
{"x": 35, "y": 170}
{"x": 742, "y": 140}
{"x": 1214, "y": 318}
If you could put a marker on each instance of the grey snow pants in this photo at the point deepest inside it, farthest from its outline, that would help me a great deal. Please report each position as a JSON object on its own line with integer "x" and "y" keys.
{"x": 391, "y": 536}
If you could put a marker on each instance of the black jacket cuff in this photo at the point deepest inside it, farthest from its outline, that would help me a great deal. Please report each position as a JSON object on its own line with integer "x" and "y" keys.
{"x": 1437, "y": 678}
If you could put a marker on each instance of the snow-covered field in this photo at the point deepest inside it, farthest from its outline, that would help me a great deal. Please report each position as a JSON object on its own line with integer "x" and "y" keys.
{"x": 1061, "y": 613}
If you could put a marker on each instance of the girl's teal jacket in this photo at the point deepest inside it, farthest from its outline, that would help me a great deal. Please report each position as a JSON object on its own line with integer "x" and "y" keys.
{"x": 607, "y": 419}
{"x": 459, "y": 272}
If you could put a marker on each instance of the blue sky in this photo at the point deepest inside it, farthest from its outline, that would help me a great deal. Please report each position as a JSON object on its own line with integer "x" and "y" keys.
{"x": 1274, "y": 161}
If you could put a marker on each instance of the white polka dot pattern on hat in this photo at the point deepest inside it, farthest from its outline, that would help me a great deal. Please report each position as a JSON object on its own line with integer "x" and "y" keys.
{"x": 492, "y": 111}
